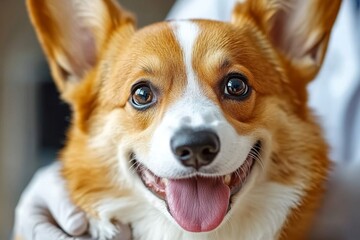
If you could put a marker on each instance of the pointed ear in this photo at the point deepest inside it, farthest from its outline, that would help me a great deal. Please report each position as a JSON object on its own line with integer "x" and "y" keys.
{"x": 298, "y": 29}
{"x": 73, "y": 33}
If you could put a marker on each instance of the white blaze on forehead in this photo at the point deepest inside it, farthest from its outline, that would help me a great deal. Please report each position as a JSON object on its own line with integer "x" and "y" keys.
{"x": 186, "y": 33}
{"x": 193, "y": 101}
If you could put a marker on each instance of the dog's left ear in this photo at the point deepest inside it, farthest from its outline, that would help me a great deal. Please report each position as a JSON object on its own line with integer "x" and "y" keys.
{"x": 73, "y": 34}
{"x": 298, "y": 29}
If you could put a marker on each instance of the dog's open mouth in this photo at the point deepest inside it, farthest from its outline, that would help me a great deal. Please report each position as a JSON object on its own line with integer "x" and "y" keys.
{"x": 199, "y": 204}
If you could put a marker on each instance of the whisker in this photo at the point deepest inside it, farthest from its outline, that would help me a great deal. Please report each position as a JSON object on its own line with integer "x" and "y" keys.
{"x": 241, "y": 179}
{"x": 258, "y": 159}
{"x": 135, "y": 166}
{"x": 239, "y": 175}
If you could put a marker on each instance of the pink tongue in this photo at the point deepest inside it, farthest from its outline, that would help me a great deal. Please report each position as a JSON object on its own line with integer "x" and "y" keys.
{"x": 198, "y": 204}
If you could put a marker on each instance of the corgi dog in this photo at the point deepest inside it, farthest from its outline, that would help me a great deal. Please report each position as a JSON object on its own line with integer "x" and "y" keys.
{"x": 191, "y": 129}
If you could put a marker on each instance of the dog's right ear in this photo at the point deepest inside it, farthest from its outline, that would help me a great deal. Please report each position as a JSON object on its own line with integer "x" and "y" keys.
{"x": 298, "y": 29}
{"x": 73, "y": 33}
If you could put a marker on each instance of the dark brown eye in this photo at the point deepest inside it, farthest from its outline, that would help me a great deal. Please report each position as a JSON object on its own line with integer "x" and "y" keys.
{"x": 236, "y": 87}
{"x": 142, "y": 96}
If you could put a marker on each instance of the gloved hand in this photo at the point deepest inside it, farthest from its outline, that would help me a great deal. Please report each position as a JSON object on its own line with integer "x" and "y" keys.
{"x": 45, "y": 211}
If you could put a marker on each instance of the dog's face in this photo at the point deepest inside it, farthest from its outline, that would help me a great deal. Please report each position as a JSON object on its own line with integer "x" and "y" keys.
{"x": 199, "y": 116}
{"x": 191, "y": 127}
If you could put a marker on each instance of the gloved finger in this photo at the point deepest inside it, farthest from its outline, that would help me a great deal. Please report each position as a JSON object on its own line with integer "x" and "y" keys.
{"x": 46, "y": 228}
{"x": 70, "y": 218}
{"x": 46, "y": 231}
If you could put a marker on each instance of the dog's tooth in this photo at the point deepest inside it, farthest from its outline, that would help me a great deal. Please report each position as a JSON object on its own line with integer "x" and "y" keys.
{"x": 149, "y": 177}
{"x": 227, "y": 179}
{"x": 164, "y": 181}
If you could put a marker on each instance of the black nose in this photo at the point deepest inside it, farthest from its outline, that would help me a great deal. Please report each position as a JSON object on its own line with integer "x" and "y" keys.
{"x": 195, "y": 148}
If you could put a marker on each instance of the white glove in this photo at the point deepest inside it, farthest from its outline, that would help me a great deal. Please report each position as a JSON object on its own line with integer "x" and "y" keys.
{"x": 45, "y": 210}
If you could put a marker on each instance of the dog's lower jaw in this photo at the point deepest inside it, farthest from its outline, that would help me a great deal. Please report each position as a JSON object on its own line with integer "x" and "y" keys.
{"x": 249, "y": 217}
{"x": 210, "y": 197}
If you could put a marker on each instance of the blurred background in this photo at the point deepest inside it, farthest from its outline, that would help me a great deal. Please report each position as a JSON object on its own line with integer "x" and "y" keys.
{"x": 32, "y": 118}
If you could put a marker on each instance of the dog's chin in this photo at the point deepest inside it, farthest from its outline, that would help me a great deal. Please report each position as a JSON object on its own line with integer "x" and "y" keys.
{"x": 199, "y": 202}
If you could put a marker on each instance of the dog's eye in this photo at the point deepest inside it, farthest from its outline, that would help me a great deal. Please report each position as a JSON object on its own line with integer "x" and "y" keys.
{"x": 142, "y": 96}
{"x": 236, "y": 86}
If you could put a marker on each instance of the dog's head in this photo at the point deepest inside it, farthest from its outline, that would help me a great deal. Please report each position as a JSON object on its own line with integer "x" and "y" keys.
{"x": 201, "y": 115}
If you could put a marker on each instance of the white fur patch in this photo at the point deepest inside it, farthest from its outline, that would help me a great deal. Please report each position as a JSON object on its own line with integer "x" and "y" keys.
{"x": 186, "y": 33}
{"x": 259, "y": 216}
{"x": 102, "y": 229}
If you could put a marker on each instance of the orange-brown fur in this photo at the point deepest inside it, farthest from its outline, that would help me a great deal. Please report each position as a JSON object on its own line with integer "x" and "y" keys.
{"x": 278, "y": 102}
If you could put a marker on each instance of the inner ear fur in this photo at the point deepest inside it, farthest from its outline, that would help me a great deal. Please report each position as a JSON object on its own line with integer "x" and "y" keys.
{"x": 298, "y": 29}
